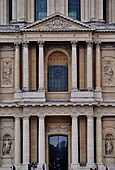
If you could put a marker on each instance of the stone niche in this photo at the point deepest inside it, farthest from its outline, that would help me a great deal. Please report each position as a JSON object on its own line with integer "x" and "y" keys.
{"x": 7, "y": 141}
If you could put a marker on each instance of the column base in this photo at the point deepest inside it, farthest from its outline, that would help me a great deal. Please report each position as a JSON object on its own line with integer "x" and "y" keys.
{"x": 98, "y": 94}
{"x": 100, "y": 167}
{"x": 91, "y": 165}
{"x": 75, "y": 166}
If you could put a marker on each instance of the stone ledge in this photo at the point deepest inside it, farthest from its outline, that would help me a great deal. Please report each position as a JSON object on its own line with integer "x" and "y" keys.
{"x": 84, "y": 96}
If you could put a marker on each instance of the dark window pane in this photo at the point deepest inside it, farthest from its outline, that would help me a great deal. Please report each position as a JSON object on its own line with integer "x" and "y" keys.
{"x": 41, "y": 9}
{"x": 74, "y": 9}
{"x": 57, "y": 79}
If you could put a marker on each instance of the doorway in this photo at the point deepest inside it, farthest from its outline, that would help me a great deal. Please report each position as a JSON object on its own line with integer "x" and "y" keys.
{"x": 58, "y": 152}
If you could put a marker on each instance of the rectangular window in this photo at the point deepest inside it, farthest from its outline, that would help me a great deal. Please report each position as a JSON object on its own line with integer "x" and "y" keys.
{"x": 40, "y": 9}
{"x": 74, "y": 9}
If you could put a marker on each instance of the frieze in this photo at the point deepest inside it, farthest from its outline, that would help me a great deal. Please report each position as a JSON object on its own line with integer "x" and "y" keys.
{"x": 7, "y": 47}
{"x": 107, "y": 111}
{"x": 108, "y": 45}
{"x": 55, "y": 110}
{"x": 6, "y": 72}
{"x": 10, "y": 111}
{"x": 57, "y": 128}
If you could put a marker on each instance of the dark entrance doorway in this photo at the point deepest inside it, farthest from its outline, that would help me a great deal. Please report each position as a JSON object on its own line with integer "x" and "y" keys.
{"x": 58, "y": 153}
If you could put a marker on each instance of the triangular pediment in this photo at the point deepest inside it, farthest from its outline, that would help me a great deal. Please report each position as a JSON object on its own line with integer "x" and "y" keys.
{"x": 57, "y": 22}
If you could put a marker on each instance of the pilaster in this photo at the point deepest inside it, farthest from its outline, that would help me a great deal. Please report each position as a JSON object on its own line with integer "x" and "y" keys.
{"x": 74, "y": 66}
{"x": 99, "y": 142}
{"x": 17, "y": 68}
{"x": 41, "y": 65}
{"x": 25, "y": 67}
{"x": 14, "y": 10}
{"x": 74, "y": 163}
{"x": 98, "y": 93}
{"x": 17, "y": 142}
{"x": 89, "y": 66}
{"x": 90, "y": 141}
{"x": 26, "y": 141}
{"x": 41, "y": 143}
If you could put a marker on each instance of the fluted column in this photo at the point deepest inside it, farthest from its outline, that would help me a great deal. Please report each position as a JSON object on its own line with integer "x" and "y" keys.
{"x": 100, "y": 10}
{"x": 90, "y": 141}
{"x": 41, "y": 143}
{"x": 14, "y": 10}
{"x": 74, "y": 142}
{"x": 89, "y": 66}
{"x": 98, "y": 67}
{"x": 41, "y": 66}
{"x": 26, "y": 142}
{"x": 86, "y": 10}
{"x": 25, "y": 67}
{"x": 17, "y": 68}
{"x": 92, "y": 9}
{"x": 1, "y": 11}
{"x": 74, "y": 66}
{"x": 21, "y": 10}
{"x": 98, "y": 141}
{"x": 17, "y": 141}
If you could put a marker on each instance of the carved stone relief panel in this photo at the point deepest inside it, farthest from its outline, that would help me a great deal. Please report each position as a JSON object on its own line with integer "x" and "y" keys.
{"x": 108, "y": 71}
{"x": 6, "y": 72}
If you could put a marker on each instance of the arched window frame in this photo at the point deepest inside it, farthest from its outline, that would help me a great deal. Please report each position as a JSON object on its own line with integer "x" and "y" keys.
{"x": 68, "y": 65}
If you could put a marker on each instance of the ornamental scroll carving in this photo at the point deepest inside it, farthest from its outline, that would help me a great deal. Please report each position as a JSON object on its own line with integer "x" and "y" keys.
{"x": 7, "y": 73}
{"x": 108, "y": 71}
{"x": 57, "y": 23}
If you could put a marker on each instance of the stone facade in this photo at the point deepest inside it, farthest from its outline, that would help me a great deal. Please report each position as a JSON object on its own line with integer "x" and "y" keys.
{"x": 84, "y": 114}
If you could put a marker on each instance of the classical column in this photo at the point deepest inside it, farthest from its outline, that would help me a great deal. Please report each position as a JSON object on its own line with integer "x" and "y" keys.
{"x": 41, "y": 143}
{"x": 17, "y": 141}
{"x": 98, "y": 67}
{"x": 14, "y": 10}
{"x": 74, "y": 66}
{"x": 74, "y": 142}
{"x": 86, "y": 10}
{"x": 25, "y": 67}
{"x": 89, "y": 66}
{"x": 41, "y": 66}
{"x": 99, "y": 141}
{"x": 100, "y": 10}
{"x": 26, "y": 141}
{"x": 90, "y": 141}
{"x": 2, "y": 11}
{"x": 17, "y": 68}
{"x": 21, "y": 10}
{"x": 92, "y": 9}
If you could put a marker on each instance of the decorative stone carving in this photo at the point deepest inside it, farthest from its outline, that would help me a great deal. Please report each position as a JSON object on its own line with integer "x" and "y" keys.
{"x": 6, "y": 72}
{"x": 108, "y": 71}
{"x": 57, "y": 23}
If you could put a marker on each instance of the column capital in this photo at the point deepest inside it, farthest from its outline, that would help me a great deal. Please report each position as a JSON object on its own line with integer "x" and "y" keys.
{"x": 17, "y": 44}
{"x": 74, "y": 43}
{"x": 98, "y": 43}
{"x": 25, "y": 44}
{"x": 89, "y": 43}
{"x": 40, "y": 43}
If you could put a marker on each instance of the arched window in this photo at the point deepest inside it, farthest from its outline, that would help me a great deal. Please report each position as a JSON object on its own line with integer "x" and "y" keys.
{"x": 74, "y": 9}
{"x": 57, "y": 72}
{"x": 40, "y": 9}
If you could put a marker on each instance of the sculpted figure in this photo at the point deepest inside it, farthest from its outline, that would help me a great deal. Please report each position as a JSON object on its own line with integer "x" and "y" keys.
{"x": 108, "y": 146}
{"x": 6, "y": 147}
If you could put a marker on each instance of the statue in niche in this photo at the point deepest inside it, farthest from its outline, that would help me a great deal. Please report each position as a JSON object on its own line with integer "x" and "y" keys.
{"x": 108, "y": 146}
{"x": 6, "y": 147}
